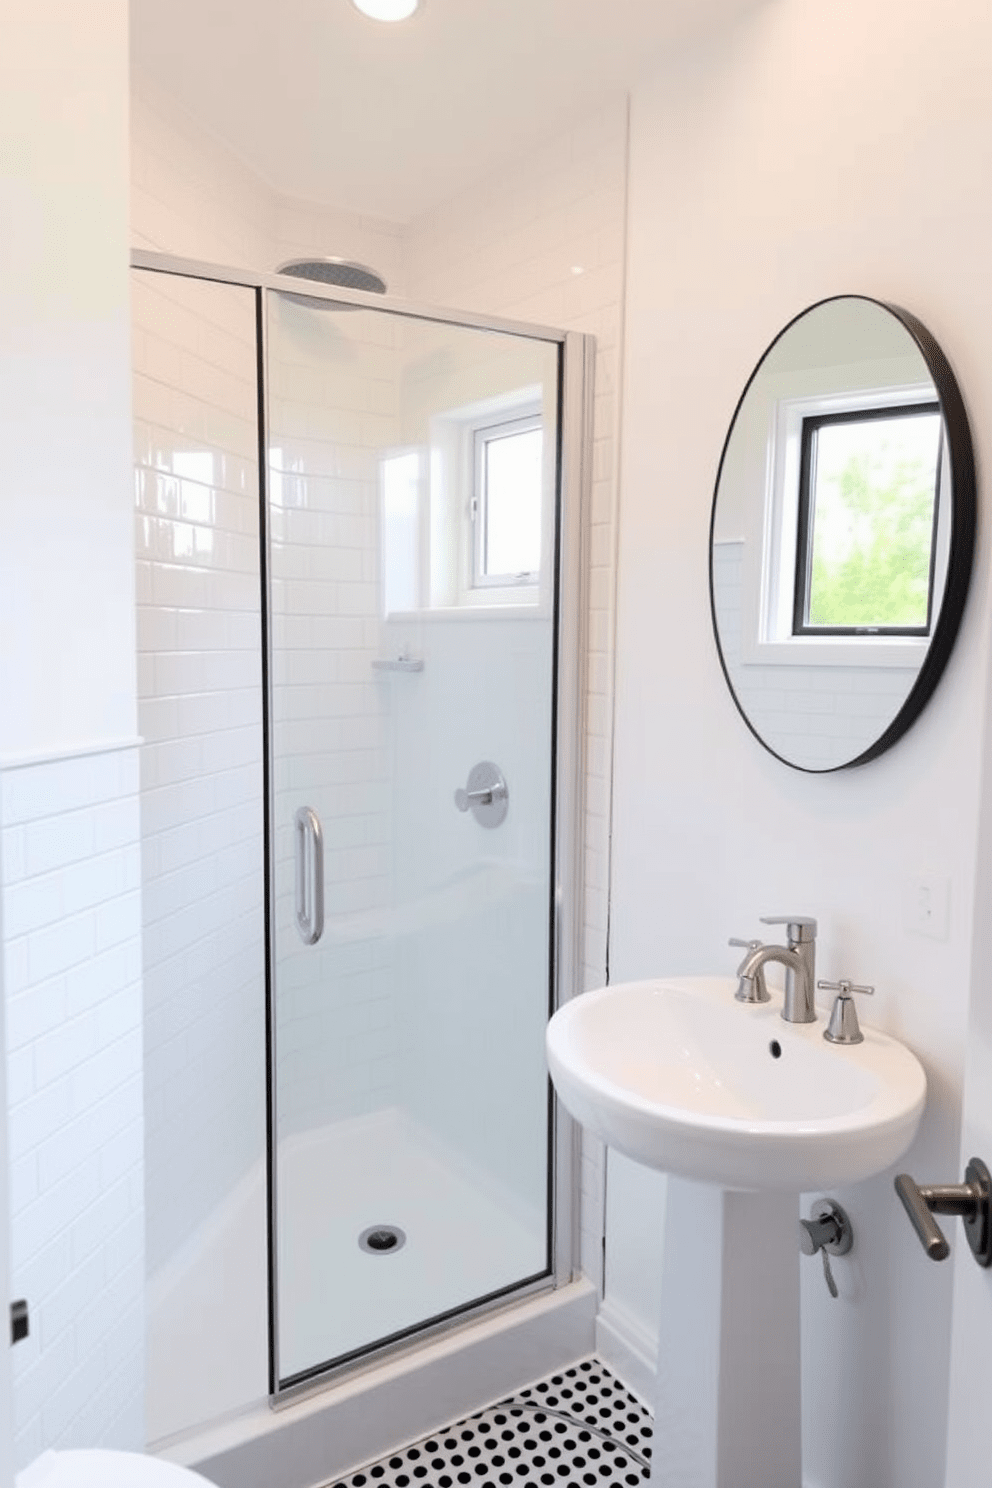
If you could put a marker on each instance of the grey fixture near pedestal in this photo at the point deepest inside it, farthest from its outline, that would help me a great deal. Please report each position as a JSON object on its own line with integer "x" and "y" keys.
{"x": 972, "y": 1200}
{"x": 799, "y": 960}
{"x": 828, "y": 1230}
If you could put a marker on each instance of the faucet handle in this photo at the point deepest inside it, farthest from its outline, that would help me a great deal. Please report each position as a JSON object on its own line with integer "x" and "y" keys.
{"x": 844, "y": 987}
{"x": 800, "y": 927}
{"x": 750, "y": 988}
{"x": 843, "y": 1027}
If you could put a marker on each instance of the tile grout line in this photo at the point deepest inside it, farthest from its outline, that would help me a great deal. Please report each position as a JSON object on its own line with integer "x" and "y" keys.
{"x": 576, "y": 1428}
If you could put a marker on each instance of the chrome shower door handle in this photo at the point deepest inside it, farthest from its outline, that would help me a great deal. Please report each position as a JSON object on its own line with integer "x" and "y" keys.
{"x": 309, "y": 880}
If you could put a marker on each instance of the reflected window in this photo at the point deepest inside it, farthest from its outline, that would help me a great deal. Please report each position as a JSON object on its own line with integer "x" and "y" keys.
{"x": 400, "y": 484}
{"x": 506, "y": 502}
{"x": 867, "y": 521}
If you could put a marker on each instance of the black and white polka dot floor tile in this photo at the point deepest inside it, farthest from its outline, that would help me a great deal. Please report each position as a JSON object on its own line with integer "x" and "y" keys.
{"x": 576, "y": 1429}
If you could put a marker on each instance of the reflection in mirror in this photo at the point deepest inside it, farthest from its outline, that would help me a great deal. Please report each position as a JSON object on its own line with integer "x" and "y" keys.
{"x": 842, "y": 533}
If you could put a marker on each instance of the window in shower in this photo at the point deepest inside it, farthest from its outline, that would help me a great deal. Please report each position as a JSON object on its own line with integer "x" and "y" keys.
{"x": 506, "y": 502}
{"x": 400, "y": 480}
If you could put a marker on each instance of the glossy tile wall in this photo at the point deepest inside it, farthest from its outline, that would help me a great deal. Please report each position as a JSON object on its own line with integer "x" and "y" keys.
{"x": 199, "y": 665}
{"x": 199, "y": 705}
{"x": 331, "y": 410}
{"x": 72, "y": 965}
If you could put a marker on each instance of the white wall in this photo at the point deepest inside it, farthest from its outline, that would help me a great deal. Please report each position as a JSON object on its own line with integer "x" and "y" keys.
{"x": 68, "y": 778}
{"x": 64, "y": 455}
{"x": 807, "y": 153}
{"x": 193, "y": 196}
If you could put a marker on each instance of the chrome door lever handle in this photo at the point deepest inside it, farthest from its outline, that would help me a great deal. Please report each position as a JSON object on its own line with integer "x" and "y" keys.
{"x": 971, "y": 1200}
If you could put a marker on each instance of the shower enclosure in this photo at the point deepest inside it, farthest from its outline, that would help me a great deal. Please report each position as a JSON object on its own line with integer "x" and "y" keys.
{"x": 359, "y": 633}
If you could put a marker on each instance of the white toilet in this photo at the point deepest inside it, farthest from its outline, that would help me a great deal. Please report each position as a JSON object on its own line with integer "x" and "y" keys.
{"x": 97, "y": 1469}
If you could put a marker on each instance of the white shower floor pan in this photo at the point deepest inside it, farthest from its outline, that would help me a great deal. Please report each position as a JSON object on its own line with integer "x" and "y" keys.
{"x": 207, "y": 1309}
{"x": 463, "y": 1237}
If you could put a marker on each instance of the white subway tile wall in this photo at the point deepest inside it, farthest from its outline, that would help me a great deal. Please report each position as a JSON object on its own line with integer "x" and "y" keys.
{"x": 332, "y": 410}
{"x": 71, "y": 884}
{"x": 200, "y": 715}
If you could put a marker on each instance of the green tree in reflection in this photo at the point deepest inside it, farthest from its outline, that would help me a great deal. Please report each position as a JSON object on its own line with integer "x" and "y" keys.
{"x": 872, "y": 537}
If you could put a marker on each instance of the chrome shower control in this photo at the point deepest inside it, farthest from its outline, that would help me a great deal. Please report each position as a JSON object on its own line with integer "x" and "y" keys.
{"x": 843, "y": 1027}
{"x": 486, "y": 794}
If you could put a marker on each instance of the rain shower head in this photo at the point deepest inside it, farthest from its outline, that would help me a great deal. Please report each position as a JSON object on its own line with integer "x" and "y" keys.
{"x": 339, "y": 273}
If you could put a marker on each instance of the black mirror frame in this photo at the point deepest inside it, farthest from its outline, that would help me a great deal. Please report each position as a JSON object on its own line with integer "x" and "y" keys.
{"x": 961, "y": 548}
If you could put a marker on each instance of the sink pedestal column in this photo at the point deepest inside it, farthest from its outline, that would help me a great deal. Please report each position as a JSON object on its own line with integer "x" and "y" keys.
{"x": 727, "y": 1404}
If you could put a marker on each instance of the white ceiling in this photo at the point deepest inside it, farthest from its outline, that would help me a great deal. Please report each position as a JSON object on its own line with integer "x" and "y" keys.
{"x": 389, "y": 120}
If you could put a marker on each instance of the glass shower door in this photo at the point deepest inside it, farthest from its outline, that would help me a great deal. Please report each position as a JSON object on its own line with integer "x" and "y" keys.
{"x": 412, "y": 475}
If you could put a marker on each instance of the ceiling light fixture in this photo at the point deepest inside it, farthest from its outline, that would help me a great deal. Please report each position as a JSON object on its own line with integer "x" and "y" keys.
{"x": 387, "y": 10}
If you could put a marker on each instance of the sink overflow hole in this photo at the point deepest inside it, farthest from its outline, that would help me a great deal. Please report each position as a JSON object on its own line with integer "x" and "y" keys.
{"x": 775, "y": 1049}
{"x": 382, "y": 1239}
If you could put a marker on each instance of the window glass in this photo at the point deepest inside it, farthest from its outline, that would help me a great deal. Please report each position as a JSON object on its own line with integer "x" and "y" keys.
{"x": 400, "y": 477}
{"x": 867, "y": 508}
{"x": 508, "y": 503}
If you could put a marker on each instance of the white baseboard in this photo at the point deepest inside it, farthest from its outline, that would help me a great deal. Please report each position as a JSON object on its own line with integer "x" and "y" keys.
{"x": 327, "y": 1434}
{"x": 629, "y": 1349}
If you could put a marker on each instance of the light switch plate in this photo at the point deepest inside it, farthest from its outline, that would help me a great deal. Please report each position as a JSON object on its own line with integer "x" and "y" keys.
{"x": 927, "y": 906}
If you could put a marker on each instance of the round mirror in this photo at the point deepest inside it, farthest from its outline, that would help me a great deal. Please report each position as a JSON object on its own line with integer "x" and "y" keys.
{"x": 842, "y": 533}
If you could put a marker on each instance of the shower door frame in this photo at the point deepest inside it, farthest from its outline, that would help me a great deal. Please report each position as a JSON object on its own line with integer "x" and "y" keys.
{"x": 576, "y": 364}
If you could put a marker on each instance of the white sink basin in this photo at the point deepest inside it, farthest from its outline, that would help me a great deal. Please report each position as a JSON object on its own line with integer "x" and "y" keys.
{"x": 678, "y": 1075}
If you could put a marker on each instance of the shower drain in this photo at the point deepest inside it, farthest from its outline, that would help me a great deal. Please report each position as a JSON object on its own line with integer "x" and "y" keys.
{"x": 382, "y": 1239}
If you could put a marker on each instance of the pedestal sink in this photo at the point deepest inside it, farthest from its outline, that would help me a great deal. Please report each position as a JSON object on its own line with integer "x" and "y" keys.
{"x": 746, "y": 1112}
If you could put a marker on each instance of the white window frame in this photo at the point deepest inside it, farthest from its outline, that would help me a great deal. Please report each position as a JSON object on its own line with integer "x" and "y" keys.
{"x": 483, "y": 434}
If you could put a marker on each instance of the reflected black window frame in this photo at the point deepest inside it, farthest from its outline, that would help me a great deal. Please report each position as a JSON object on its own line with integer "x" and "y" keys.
{"x": 811, "y": 425}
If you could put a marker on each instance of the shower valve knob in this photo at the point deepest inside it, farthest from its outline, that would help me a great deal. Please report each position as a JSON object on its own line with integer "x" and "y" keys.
{"x": 485, "y": 794}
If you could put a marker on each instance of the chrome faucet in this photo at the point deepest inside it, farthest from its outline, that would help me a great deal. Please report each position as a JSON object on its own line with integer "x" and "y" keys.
{"x": 798, "y": 958}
